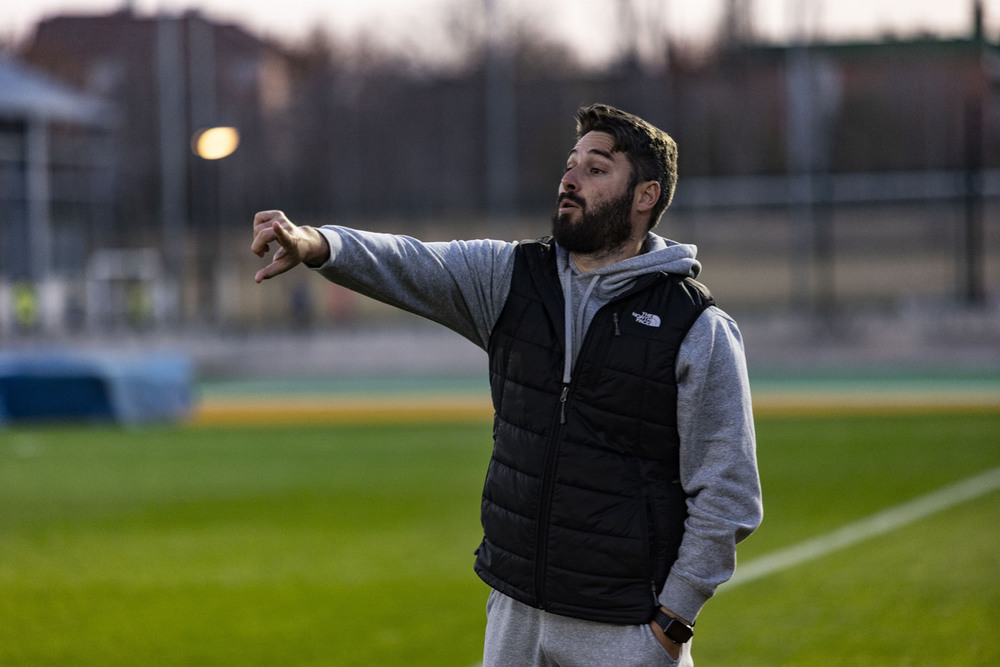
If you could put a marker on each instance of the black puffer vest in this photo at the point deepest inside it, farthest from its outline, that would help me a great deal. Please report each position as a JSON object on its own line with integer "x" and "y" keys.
{"x": 582, "y": 509}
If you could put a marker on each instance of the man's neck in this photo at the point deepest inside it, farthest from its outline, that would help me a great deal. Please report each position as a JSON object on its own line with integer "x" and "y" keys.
{"x": 593, "y": 261}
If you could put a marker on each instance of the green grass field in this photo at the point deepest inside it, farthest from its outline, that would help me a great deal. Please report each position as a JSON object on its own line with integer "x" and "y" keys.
{"x": 352, "y": 545}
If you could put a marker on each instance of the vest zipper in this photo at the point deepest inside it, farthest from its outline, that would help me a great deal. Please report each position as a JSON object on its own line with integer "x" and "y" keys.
{"x": 562, "y": 404}
{"x": 545, "y": 503}
{"x": 618, "y": 332}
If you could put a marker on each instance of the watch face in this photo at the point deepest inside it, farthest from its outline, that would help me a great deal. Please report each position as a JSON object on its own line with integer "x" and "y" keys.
{"x": 677, "y": 631}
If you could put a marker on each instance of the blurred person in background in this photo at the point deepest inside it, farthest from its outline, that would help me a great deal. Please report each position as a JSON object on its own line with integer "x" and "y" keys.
{"x": 624, "y": 461}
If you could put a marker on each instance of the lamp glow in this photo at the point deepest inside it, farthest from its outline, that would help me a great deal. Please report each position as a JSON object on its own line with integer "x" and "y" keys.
{"x": 215, "y": 143}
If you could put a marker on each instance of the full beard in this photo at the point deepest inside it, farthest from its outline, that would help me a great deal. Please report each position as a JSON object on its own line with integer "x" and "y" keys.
{"x": 604, "y": 230}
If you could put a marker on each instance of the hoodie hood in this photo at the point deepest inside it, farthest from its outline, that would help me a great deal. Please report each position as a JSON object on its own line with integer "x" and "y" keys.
{"x": 585, "y": 293}
{"x": 658, "y": 254}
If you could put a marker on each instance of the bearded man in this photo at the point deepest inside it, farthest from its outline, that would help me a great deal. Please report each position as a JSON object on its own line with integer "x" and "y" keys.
{"x": 624, "y": 458}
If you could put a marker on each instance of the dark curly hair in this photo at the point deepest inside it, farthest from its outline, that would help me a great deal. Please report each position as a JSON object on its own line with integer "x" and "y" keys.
{"x": 651, "y": 151}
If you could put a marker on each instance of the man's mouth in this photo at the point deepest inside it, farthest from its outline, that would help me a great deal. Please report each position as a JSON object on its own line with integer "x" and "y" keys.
{"x": 568, "y": 203}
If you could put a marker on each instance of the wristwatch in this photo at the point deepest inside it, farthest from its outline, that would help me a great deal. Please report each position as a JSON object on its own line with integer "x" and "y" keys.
{"x": 675, "y": 629}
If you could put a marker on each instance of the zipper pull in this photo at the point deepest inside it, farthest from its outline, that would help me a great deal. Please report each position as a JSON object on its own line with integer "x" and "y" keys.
{"x": 618, "y": 332}
{"x": 562, "y": 404}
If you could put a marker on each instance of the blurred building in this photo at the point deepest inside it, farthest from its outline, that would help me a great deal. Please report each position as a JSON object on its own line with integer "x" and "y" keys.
{"x": 172, "y": 77}
{"x": 812, "y": 173}
{"x": 840, "y": 107}
{"x": 56, "y": 175}
{"x": 883, "y": 156}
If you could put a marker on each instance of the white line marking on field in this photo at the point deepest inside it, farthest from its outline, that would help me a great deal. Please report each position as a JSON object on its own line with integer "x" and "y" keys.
{"x": 875, "y": 525}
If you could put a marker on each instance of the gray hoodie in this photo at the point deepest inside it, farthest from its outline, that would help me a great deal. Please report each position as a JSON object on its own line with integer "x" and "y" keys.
{"x": 464, "y": 285}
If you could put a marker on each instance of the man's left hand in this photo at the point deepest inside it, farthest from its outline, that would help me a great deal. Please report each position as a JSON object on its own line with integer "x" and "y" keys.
{"x": 673, "y": 649}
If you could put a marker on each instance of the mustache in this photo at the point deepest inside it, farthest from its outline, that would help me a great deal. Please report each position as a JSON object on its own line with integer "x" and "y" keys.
{"x": 573, "y": 197}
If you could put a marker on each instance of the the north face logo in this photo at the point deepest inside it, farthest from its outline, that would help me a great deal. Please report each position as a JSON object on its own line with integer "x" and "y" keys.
{"x": 647, "y": 319}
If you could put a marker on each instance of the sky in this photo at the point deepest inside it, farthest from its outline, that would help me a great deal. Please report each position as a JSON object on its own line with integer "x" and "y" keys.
{"x": 418, "y": 24}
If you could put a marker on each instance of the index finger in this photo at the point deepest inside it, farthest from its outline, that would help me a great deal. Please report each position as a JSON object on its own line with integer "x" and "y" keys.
{"x": 263, "y": 231}
{"x": 265, "y": 217}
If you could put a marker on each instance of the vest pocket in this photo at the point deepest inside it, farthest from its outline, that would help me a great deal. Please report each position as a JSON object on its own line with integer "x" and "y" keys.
{"x": 648, "y": 525}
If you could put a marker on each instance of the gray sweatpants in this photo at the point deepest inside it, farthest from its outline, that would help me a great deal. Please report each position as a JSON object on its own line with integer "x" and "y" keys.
{"x": 520, "y": 636}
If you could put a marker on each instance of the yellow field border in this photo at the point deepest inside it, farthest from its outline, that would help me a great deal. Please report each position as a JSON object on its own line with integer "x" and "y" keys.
{"x": 875, "y": 402}
{"x": 338, "y": 409}
{"x": 341, "y": 410}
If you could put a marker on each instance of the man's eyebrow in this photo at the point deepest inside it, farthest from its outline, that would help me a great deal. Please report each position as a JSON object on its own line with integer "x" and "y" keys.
{"x": 604, "y": 154}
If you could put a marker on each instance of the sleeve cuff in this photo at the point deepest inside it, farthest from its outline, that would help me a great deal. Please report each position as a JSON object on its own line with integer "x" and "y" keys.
{"x": 333, "y": 240}
{"x": 682, "y": 598}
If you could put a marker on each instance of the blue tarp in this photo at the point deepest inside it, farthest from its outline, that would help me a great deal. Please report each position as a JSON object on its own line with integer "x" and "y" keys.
{"x": 63, "y": 386}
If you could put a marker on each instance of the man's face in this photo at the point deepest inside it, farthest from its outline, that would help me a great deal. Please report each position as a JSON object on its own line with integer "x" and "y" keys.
{"x": 595, "y": 198}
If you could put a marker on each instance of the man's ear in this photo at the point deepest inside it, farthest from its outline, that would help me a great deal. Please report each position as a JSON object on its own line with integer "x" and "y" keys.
{"x": 646, "y": 196}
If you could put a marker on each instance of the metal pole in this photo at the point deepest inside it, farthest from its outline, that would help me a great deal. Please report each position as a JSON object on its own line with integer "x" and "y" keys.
{"x": 39, "y": 194}
{"x": 173, "y": 158}
{"x": 971, "y": 260}
{"x": 501, "y": 118}
{"x": 203, "y": 113}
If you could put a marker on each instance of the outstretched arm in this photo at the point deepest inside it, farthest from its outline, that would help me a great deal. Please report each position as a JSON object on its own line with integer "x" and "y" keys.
{"x": 297, "y": 245}
{"x": 460, "y": 284}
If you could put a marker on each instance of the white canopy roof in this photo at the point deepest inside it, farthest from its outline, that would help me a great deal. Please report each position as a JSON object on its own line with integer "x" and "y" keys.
{"x": 30, "y": 94}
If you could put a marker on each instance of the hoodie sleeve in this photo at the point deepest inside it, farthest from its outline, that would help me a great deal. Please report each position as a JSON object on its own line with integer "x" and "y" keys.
{"x": 459, "y": 284}
{"x": 718, "y": 462}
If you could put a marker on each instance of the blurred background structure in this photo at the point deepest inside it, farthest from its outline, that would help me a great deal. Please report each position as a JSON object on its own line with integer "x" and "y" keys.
{"x": 844, "y": 194}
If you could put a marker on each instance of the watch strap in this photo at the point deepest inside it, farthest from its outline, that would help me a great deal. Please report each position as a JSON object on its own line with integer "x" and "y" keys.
{"x": 675, "y": 629}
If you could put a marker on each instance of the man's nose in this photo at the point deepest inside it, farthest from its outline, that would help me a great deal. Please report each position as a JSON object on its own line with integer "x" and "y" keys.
{"x": 568, "y": 182}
